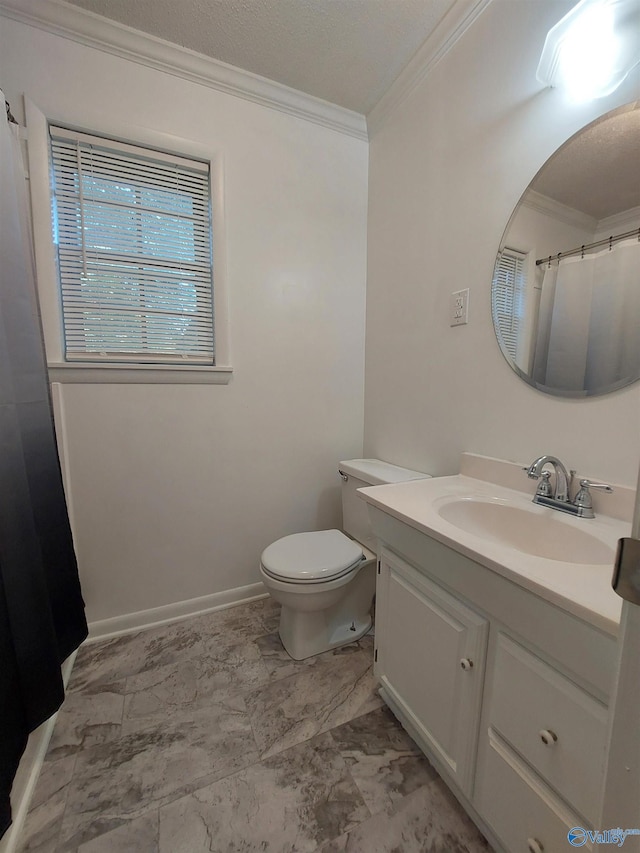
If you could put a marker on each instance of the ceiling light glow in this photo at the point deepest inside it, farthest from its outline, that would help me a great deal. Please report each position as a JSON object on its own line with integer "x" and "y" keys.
{"x": 587, "y": 61}
{"x": 592, "y": 49}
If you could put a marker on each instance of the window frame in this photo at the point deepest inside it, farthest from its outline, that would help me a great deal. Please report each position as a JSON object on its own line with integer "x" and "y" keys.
{"x": 62, "y": 370}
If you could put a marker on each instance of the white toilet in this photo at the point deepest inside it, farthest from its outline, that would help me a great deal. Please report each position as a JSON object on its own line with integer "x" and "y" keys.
{"x": 325, "y": 580}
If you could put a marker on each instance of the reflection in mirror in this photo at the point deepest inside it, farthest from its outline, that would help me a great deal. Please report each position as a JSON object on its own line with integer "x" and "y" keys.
{"x": 566, "y": 285}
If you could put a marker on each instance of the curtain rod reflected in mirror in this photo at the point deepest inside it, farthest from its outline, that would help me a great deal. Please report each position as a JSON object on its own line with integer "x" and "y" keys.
{"x": 608, "y": 241}
{"x": 572, "y": 328}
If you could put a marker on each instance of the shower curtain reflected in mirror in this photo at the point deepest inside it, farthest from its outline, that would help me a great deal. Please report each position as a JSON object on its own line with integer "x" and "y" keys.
{"x": 41, "y": 609}
{"x": 588, "y": 332}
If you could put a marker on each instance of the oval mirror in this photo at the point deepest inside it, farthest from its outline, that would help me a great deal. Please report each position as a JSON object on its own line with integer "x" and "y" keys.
{"x": 565, "y": 296}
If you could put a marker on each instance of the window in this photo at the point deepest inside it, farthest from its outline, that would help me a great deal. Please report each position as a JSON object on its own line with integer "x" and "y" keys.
{"x": 133, "y": 233}
{"x": 507, "y": 299}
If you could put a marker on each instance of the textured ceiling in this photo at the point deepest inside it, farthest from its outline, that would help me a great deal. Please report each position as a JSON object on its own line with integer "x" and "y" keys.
{"x": 598, "y": 171}
{"x": 347, "y": 52}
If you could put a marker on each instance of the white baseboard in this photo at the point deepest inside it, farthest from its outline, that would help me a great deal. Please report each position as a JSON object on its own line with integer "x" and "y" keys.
{"x": 29, "y": 771}
{"x": 106, "y": 628}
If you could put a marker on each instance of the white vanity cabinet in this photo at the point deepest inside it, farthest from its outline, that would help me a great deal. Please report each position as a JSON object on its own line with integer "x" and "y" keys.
{"x": 441, "y": 691}
{"x": 504, "y": 691}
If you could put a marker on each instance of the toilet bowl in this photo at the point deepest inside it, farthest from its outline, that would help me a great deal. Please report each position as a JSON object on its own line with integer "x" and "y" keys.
{"x": 325, "y": 580}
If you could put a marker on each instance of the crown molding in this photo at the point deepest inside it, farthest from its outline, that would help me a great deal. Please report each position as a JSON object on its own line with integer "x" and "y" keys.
{"x": 87, "y": 28}
{"x": 449, "y": 30}
{"x": 561, "y": 212}
{"x": 626, "y": 220}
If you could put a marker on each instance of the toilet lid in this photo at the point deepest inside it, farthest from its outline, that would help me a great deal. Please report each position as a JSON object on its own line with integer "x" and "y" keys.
{"x": 311, "y": 557}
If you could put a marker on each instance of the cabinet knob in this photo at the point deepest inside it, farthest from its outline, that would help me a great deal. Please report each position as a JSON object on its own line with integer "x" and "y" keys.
{"x": 535, "y": 846}
{"x": 548, "y": 737}
{"x": 466, "y": 664}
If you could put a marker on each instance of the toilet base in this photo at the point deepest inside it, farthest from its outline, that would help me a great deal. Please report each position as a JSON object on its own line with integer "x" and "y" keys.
{"x": 305, "y": 633}
{"x": 312, "y": 640}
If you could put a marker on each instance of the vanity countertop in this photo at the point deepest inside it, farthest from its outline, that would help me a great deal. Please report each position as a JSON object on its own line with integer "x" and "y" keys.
{"x": 583, "y": 589}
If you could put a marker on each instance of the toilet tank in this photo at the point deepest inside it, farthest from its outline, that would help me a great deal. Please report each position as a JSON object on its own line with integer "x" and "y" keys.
{"x": 356, "y": 474}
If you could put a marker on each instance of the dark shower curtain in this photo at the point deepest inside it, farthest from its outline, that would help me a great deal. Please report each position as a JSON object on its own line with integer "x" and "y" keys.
{"x": 41, "y": 609}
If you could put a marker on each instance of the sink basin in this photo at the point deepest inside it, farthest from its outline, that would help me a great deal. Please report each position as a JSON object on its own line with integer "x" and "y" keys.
{"x": 533, "y": 532}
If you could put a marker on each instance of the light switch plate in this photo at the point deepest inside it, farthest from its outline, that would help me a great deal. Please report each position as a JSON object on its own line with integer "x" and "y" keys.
{"x": 459, "y": 307}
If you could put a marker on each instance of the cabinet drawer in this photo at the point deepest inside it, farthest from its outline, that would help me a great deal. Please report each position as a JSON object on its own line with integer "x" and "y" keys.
{"x": 557, "y": 727}
{"x": 522, "y": 811}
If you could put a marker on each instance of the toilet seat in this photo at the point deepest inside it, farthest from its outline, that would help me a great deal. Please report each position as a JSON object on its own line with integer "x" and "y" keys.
{"x": 302, "y": 558}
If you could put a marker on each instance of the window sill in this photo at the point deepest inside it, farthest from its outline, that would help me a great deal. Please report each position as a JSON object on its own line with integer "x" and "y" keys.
{"x": 91, "y": 373}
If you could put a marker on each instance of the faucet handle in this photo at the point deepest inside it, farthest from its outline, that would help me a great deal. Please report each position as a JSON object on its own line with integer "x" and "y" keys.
{"x": 583, "y": 498}
{"x": 544, "y": 488}
{"x": 602, "y": 487}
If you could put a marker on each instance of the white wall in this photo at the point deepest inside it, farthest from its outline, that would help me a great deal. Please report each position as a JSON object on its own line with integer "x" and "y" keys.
{"x": 446, "y": 170}
{"x": 176, "y": 489}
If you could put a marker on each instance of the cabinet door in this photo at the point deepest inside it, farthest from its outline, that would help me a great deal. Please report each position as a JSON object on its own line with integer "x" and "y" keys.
{"x": 431, "y": 652}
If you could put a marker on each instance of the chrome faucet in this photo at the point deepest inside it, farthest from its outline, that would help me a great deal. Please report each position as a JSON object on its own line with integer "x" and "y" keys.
{"x": 560, "y": 496}
{"x": 562, "y": 477}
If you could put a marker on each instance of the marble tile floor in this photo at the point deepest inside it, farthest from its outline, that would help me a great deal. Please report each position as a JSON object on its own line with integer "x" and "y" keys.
{"x": 203, "y": 736}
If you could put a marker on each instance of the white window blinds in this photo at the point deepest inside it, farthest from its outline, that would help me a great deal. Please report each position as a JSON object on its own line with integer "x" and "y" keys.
{"x": 133, "y": 231}
{"x": 507, "y": 298}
